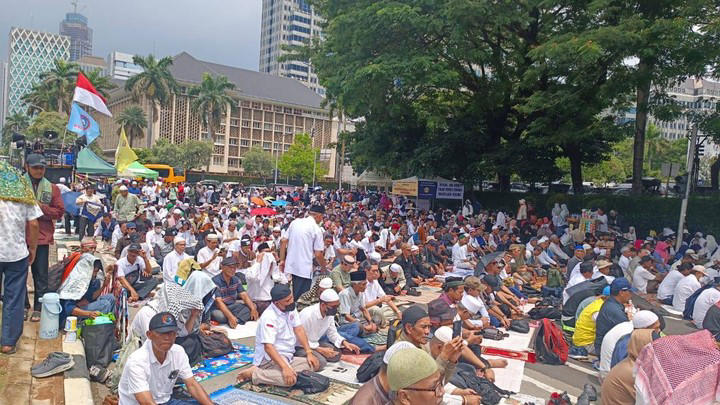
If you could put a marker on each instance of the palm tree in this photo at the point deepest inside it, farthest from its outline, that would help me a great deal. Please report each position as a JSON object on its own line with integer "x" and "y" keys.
{"x": 655, "y": 145}
{"x": 39, "y": 99}
{"x": 210, "y": 102}
{"x": 134, "y": 120}
{"x": 155, "y": 83}
{"x": 60, "y": 83}
{"x": 101, "y": 83}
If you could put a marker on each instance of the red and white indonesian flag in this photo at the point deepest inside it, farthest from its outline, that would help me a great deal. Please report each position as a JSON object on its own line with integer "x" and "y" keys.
{"x": 85, "y": 93}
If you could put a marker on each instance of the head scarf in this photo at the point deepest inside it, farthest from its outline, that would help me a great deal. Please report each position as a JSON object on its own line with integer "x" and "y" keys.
{"x": 14, "y": 186}
{"x": 178, "y": 301}
{"x": 680, "y": 369}
{"x": 662, "y": 250}
{"x": 710, "y": 245}
{"x": 619, "y": 385}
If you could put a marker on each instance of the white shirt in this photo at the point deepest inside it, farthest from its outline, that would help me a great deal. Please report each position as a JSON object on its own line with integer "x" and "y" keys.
{"x": 546, "y": 260}
{"x": 623, "y": 262}
{"x": 597, "y": 274}
{"x": 304, "y": 239}
{"x": 557, "y": 251}
{"x": 170, "y": 265}
{"x": 276, "y": 328}
{"x": 205, "y": 254}
{"x": 459, "y": 255}
{"x": 124, "y": 267}
{"x": 574, "y": 280}
{"x": 316, "y": 326}
{"x": 153, "y": 238}
{"x": 367, "y": 246}
{"x": 13, "y": 217}
{"x": 143, "y": 373}
{"x": 704, "y": 301}
{"x": 373, "y": 291}
{"x": 667, "y": 287}
{"x": 602, "y": 223}
{"x": 684, "y": 289}
{"x": 116, "y": 235}
{"x": 641, "y": 276}
{"x": 259, "y": 278}
{"x": 608, "y": 345}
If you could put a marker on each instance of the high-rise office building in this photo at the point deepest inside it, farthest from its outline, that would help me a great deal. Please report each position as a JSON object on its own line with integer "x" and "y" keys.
{"x": 120, "y": 66}
{"x": 3, "y": 91}
{"x": 30, "y": 53}
{"x": 75, "y": 26}
{"x": 288, "y": 22}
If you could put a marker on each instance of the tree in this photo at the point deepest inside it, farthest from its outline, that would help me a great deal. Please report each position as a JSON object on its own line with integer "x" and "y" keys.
{"x": 257, "y": 162}
{"x": 211, "y": 101}
{"x": 50, "y": 121}
{"x": 133, "y": 119}
{"x": 669, "y": 40}
{"x": 188, "y": 155}
{"x": 59, "y": 82}
{"x": 299, "y": 160}
{"x": 17, "y": 122}
{"x": 39, "y": 99}
{"x": 155, "y": 83}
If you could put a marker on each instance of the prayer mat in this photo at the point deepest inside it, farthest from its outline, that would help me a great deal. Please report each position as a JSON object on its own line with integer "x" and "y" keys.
{"x": 338, "y": 393}
{"x": 432, "y": 283}
{"x": 510, "y": 377}
{"x": 356, "y": 359}
{"x": 672, "y": 310}
{"x": 233, "y": 396}
{"x": 208, "y": 368}
{"x": 427, "y": 294}
{"x": 241, "y": 331}
{"x": 648, "y": 302}
{"x": 343, "y": 372}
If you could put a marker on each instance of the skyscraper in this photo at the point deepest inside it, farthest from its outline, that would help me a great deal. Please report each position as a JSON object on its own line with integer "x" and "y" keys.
{"x": 30, "y": 53}
{"x": 121, "y": 66}
{"x": 75, "y": 26}
{"x": 288, "y": 22}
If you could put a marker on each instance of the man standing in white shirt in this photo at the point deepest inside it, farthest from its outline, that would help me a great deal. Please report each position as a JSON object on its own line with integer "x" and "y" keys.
{"x": 173, "y": 259}
{"x": 304, "y": 242}
{"x": 643, "y": 274}
{"x": 209, "y": 257}
{"x": 150, "y": 373}
{"x": 666, "y": 289}
{"x": 278, "y": 333}
{"x": 687, "y": 286}
{"x": 318, "y": 320}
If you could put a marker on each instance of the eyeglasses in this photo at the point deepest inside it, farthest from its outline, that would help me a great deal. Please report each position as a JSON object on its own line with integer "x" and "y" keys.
{"x": 438, "y": 389}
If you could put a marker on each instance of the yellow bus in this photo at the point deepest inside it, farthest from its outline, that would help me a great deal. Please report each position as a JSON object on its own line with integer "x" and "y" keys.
{"x": 167, "y": 173}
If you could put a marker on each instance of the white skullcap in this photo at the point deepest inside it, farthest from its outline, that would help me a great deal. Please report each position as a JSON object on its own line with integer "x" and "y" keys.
{"x": 543, "y": 239}
{"x": 396, "y": 347}
{"x": 178, "y": 239}
{"x": 443, "y": 334}
{"x": 123, "y": 188}
{"x": 396, "y": 268}
{"x": 329, "y": 295}
{"x": 586, "y": 246}
{"x": 414, "y": 248}
{"x": 375, "y": 257}
{"x": 643, "y": 319}
{"x": 177, "y": 211}
{"x": 326, "y": 283}
{"x": 212, "y": 236}
{"x": 62, "y": 179}
{"x": 471, "y": 303}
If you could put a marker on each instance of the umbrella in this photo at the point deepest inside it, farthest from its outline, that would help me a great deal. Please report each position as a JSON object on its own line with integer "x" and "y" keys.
{"x": 263, "y": 212}
{"x": 279, "y": 203}
{"x": 258, "y": 201}
{"x": 269, "y": 198}
{"x": 69, "y": 201}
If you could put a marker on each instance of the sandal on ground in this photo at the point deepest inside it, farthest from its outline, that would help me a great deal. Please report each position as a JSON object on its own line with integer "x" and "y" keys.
{"x": 12, "y": 350}
{"x": 35, "y": 316}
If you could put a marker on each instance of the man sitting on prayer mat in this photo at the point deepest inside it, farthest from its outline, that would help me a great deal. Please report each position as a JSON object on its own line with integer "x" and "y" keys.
{"x": 318, "y": 320}
{"x": 279, "y": 331}
{"x": 355, "y": 320}
{"x": 381, "y": 306}
{"x": 232, "y": 304}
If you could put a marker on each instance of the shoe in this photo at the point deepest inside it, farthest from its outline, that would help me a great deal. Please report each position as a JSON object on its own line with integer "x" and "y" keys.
{"x": 591, "y": 392}
{"x": 578, "y": 353}
{"x": 59, "y": 355}
{"x": 52, "y": 365}
{"x": 413, "y": 292}
{"x": 99, "y": 374}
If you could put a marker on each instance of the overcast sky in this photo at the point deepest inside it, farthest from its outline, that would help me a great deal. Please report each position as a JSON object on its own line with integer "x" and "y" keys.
{"x": 221, "y": 31}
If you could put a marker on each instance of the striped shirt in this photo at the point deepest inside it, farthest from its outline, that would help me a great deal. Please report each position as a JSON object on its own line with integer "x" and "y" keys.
{"x": 228, "y": 291}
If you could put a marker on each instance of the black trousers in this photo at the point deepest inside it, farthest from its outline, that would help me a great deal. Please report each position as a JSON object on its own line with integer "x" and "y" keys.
{"x": 39, "y": 270}
{"x": 66, "y": 220}
{"x": 87, "y": 228}
{"x": 300, "y": 285}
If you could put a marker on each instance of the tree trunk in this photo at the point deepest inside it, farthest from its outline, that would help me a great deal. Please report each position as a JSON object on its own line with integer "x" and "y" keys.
{"x": 576, "y": 173}
{"x": 504, "y": 181}
{"x": 152, "y": 122}
{"x": 641, "y": 115}
{"x": 714, "y": 171}
{"x": 212, "y": 142}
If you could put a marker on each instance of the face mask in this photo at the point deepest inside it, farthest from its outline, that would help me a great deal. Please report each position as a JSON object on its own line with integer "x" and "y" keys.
{"x": 289, "y": 308}
{"x": 331, "y": 311}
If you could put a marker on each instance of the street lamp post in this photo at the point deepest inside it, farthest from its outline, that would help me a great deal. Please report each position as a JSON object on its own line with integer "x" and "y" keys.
{"x": 312, "y": 146}
{"x": 277, "y": 157}
{"x": 688, "y": 184}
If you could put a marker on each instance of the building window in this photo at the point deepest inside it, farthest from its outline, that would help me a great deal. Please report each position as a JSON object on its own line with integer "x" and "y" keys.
{"x": 266, "y": 145}
{"x": 293, "y": 66}
{"x": 246, "y": 123}
{"x": 244, "y": 142}
{"x": 217, "y": 160}
{"x": 299, "y": 29}
{"x": 301, "y": 19}
{"x": 233, "y": 141}
{"x": 286, "y": 147}
{"x": 256, "y": 125}
{"x": 267, "y": 126}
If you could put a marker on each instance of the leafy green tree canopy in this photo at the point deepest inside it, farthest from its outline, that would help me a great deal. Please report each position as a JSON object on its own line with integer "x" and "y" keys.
{"x": 257, "y": 162}
{"x": 298, "y": 161}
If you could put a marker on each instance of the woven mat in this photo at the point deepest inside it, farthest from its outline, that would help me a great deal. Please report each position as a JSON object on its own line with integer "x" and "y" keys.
{"x": 234, "y": 396}
{"x": 337, "y": 394}
{"x": 427, "y": 294}
{"x": 216, "y": 366}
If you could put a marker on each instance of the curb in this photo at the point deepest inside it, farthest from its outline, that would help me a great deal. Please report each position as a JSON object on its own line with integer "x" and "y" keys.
{"x": 77, "y": 379}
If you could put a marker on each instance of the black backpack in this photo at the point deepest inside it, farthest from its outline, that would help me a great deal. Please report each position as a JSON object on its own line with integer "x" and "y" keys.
{"x": 520, "y": 326}
{"x": 370, "y": 367}
{"x": 491, "y": 394}
{"x": 311, "y": 382}
{"x": 545, "y": 312}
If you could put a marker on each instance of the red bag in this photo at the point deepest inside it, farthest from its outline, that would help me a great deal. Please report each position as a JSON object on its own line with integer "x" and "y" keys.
{"x": 550, "y": 344}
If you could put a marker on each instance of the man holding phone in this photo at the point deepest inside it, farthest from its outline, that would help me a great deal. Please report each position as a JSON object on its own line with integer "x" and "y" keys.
{"x": 209, "y": 257}
{"x": 131, "y": 268}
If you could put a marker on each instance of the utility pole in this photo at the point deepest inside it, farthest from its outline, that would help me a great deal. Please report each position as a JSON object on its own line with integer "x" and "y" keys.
{"x": 688, "y": 185}
{"x": 312, "y": 146}
{"x": 277, "y": 157}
